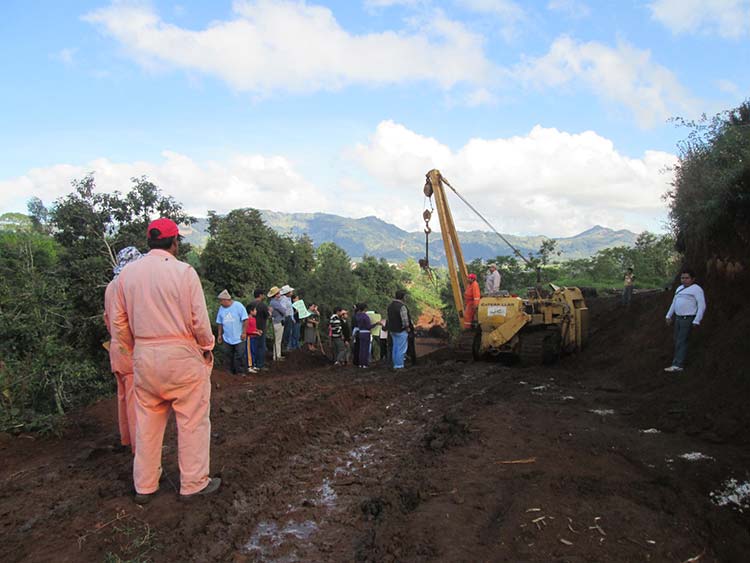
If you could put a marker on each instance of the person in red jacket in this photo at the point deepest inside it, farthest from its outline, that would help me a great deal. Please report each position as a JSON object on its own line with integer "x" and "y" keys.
{"x": 471, "y": 300}
{"x": 255, "y": 338}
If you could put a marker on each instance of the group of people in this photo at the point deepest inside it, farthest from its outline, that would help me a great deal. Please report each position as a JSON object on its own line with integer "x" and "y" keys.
{"x": 472, "y": 294}
{"x": 242, "y": 329}
{"x": 373, "y": 337}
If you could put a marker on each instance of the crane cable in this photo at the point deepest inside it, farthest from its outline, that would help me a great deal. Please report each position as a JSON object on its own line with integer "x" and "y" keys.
{"x": 486, "y": 222}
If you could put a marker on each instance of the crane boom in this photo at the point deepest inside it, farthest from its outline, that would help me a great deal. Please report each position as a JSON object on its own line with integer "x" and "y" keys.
{"x": 453, "y": 253}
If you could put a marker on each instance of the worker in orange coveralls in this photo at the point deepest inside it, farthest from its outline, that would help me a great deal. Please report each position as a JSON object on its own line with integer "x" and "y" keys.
{"x": 471, "y": 300}
{"x": 120, "y": 359}
{"x": 160, "y": 314}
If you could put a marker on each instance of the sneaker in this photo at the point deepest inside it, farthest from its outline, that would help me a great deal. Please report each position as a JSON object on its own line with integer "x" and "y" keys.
{"x": 213, "y": 486}
{"x": 673, "y": 369}
{"x": 252, "y": 370}
{"x": 143, "y": 498}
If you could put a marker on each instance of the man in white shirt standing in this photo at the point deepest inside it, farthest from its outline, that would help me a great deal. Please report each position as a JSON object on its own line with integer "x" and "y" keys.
{"x": 686, "y": 311}
{"x": 492, "y": 281}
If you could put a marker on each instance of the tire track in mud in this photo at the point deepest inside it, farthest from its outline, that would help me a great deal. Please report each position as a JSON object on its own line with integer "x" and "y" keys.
{"x": 327, "y": 498}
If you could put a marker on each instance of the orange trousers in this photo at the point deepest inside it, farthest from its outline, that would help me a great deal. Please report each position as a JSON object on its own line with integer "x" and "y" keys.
{"x": 126, "y": 409}
{"x": 469, "y": 314}
{"x": 172, "y": 375}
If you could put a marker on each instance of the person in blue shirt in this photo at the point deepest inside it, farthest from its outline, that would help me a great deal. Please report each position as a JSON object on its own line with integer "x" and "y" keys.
{"x": 232, "y": 321}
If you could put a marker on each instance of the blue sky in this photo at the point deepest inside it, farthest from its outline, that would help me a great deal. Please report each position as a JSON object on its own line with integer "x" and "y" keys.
{"x": 551, "y": 116}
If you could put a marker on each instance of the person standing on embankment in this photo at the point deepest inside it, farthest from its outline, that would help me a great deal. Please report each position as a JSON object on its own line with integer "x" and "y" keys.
{"x": 687, "y": 310}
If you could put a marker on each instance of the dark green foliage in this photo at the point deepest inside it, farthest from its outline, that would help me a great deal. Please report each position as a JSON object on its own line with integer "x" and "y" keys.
{"x": 91, "y": 227}
{"x": 333, "y": 282}
{"x": 41, "y": 376}
{"x": 52, "y": 291}
{"x": 379, "y": 282}
{"x": 710, "y": 200}
{"x": 243, "y": 253}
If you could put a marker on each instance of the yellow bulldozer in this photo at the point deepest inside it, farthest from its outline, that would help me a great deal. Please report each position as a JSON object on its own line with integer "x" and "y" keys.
{"x": 538, "y": 328}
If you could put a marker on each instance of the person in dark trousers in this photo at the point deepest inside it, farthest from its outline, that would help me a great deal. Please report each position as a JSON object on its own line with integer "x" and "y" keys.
{"x": 232, "y": 324}
{"x": 627, "y": 287}
{"x": 355, "y": 337}
{"x": 411, "y": 346}
{"x": 686, "y": 312}
{"x": 362, "y": 321}
{"x": 398, "y": 328}
{"x": 261, "y": 319}
{"x": 384, "y": 341}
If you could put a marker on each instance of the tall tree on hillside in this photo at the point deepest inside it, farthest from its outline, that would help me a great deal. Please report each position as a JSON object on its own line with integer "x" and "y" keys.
{"x": 299, "y": 259}
{"x": 710, "y": 199}
{"x": 379, "y": 281}
{"x": 243, "y": 253}
{"x": 332, "y": 282}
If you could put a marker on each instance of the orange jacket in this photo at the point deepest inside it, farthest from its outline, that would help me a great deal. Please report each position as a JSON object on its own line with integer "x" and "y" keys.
{"x": 471, "y": 294}
{"x": 160, "y": 298}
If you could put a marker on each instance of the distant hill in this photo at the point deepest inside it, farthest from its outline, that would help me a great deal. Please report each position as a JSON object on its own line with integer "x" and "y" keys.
{"x": 375, "y": 237}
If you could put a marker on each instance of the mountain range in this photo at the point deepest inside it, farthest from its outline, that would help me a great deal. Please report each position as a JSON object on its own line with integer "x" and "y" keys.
{"x": 375, "y": 237}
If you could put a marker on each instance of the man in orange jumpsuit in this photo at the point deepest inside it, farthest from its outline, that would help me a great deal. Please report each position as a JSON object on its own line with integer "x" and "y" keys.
{"x": 160, "y": 314}
{"x": 119, "y": 357}
{"x": 471, "y": 299}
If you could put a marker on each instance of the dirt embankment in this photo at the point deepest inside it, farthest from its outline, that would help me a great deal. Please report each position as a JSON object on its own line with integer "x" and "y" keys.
{"x": 602, "y": 457}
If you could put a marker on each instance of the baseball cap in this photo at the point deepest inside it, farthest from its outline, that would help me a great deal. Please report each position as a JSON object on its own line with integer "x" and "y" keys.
{"x": 167, "y": 228}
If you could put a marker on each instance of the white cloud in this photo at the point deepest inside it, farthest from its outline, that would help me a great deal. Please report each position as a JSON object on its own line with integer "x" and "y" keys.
{"x": 571, "y": 8}
{"x": 624, "y": 74}
{"x": 249, "y": 180}
{"x": 295, "y": 46}
{"x": 510, "y": 14}
{"x": 727, "y": 18}
{"x": 547, "y": 182}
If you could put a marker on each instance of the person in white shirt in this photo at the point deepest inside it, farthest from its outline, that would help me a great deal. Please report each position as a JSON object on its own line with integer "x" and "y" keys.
{"x": 686, "y": 312}
{"x": 492, "y": 281}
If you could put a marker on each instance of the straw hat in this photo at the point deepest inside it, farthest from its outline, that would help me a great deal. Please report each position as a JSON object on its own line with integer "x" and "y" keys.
{"x": 273, "y": 291}
{"x": 224, "y": 295}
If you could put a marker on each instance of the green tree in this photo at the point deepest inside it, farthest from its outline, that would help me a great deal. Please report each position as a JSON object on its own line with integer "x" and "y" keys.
{"x": 332, "y": 282}
{"x": 91, "y": 227}
{"x": 379, "y": 282}
{"x": 41, "y": 374}
{"x": 710, "y": 199}
{"x": 243, "y": 253}
{"x": 298, "y": 256}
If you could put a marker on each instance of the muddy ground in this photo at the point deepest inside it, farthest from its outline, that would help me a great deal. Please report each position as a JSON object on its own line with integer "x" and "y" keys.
{"x": 593, "y": 459}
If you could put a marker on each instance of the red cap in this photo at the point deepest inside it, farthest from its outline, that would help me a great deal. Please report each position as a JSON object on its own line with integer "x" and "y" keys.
{"x": 472, "y": 276}
{"x": 167, "y": 228}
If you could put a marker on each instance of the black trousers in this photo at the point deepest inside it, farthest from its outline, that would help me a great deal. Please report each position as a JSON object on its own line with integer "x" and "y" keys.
{"x": 236, "y": 357}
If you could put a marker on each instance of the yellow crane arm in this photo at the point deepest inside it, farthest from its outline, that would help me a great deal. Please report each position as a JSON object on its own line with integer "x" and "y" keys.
{"x": 453, "y": 253}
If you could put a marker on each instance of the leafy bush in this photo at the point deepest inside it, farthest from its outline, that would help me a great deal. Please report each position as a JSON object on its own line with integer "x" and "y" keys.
{"x": 710, "y": 199}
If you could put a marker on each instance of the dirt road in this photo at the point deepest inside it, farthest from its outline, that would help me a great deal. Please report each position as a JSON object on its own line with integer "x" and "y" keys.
{"x": 594, "y": 459}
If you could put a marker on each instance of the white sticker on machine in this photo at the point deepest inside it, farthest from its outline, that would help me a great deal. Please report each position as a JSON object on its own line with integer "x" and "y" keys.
{"x": 497, "y": 310}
